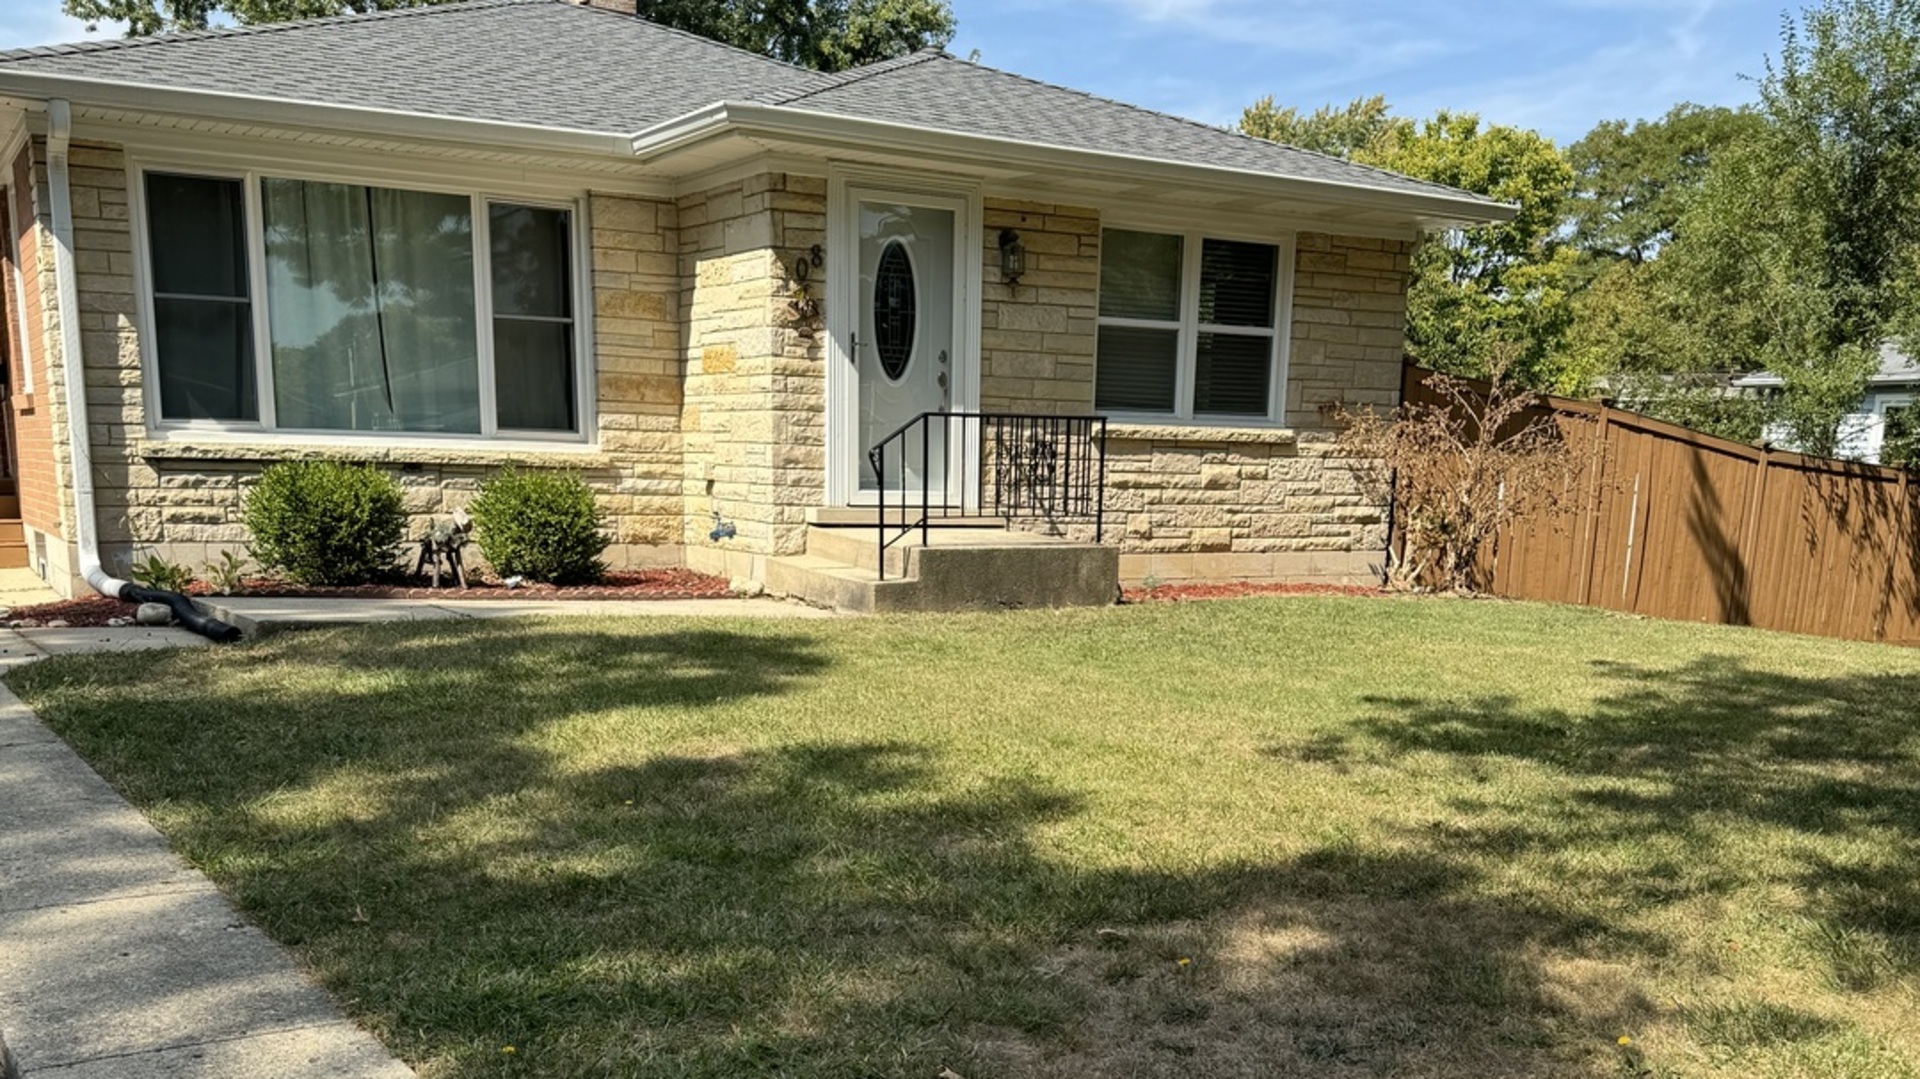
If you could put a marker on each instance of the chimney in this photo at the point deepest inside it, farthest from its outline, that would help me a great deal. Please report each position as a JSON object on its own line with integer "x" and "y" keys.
{"x": 624, "y": 7}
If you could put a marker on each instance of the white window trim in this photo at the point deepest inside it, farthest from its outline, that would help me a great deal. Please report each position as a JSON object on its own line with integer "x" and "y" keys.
{"x": 1190, "y": 327}
{"x": 265, "y": 430}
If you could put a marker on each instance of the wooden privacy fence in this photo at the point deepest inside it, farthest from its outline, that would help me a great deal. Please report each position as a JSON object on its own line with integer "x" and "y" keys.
{"x": 1673, "y": 523}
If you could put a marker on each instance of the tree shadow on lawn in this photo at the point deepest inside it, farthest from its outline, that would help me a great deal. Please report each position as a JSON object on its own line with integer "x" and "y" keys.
{"x": 1697, "y": 780}
{"x": 811, "y": 909}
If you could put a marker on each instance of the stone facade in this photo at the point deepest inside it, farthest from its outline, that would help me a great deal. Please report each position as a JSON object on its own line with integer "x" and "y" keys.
{"x": 710, "y": 394}
{"x": 183, "y": 501}
{"x": 755, "y": 405}
{"x": 1277, "y": 505}
{"x": 1037, "y": 337}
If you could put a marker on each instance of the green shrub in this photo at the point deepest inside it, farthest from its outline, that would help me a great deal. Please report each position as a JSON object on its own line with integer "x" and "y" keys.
{"x": 323, "y": 522}
{"x": 544, "y": 526}
{"x": 157, "y": 572}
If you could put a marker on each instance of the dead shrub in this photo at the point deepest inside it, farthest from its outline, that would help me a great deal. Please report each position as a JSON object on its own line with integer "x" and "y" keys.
{"x": 1458, "y": 470}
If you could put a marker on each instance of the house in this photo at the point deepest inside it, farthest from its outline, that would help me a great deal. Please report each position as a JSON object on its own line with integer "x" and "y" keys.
{"x": 1885, "y": 408}
{"x": 446, "y": 239}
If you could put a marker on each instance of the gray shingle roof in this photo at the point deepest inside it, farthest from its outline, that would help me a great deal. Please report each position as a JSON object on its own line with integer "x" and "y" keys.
{"x": 518, "y": 61}
{"x": 553, "y": 64}
{"x": 938, "y": 91}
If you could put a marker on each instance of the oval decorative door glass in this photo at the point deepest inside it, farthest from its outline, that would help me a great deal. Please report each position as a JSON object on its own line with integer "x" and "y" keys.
{"x": 894, "y": 304}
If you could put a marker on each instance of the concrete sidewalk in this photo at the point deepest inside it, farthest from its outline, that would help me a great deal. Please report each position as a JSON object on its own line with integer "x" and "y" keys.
{"x": 260, "y": 614}
{"x": 119, "y": 961}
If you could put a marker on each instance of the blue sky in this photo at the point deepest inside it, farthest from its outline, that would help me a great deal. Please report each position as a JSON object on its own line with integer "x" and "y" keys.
{"x": 1556, "y": 65}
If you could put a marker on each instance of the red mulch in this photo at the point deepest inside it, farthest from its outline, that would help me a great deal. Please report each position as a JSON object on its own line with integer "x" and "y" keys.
{"x": 91, "y": 611}
{"x": 1181, "y": 593}
{"x": 641, "y": 585}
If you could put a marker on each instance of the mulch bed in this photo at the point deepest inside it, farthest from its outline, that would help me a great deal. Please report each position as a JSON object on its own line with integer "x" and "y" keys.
{"x": 641, "y": 585}
{"x": 1182, "y": 593}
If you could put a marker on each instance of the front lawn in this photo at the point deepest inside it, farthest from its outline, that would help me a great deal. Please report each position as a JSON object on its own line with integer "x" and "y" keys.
{"x": 1293, "y": 837}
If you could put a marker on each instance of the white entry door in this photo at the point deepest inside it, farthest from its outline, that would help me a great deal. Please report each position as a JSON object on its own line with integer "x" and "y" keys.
{"x": 901, "y": 343}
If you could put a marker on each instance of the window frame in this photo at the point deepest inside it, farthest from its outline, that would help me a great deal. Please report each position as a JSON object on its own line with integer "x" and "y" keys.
{"x": 480, "y": 200}
{"x": 1187, "y": 353}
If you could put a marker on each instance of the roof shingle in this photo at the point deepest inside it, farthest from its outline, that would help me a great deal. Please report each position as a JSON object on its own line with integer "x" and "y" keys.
{"x": 553, "y": 64}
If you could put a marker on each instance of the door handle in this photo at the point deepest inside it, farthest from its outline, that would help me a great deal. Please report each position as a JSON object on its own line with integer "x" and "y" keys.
{"x": 943, "y": 380}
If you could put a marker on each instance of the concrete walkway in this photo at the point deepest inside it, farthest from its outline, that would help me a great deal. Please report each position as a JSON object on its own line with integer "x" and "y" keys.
{"x": 24, "y": 588}
{"x": 117, "y": 960}
{"x": 254, "y": 614}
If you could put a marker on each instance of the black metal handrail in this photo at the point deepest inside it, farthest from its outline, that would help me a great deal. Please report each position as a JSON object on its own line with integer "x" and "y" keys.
{"x": 1015, "y": 466}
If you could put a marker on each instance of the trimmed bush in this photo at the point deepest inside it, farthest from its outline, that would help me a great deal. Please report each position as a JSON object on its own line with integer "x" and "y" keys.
{"x": 544, "y": 526}
{"x": 323, "y": 522}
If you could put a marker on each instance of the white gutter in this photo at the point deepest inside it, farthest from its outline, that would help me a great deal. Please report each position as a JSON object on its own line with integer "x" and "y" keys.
{"x": 750, "y": 119}
{"x": 80, "y": 460}
{"x": 257, "y": 109}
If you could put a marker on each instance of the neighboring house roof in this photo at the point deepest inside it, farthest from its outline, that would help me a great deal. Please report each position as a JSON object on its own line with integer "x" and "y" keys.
{"x": 556, "y": 65}
{"x": 1896, "y": 369}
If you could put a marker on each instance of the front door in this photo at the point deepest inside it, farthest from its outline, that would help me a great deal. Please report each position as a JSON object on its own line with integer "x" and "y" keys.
{"x": 901, "y": 345}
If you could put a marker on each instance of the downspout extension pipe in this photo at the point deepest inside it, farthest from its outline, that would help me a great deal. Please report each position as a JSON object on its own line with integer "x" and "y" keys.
{"x": 85, "y": 538}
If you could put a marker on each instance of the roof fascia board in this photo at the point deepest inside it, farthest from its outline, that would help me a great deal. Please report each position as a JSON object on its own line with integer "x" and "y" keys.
{"x": 185, "y": 148}
{"x": 748, "y": 118}
{"x": 1141, "y": 210}
{"x": 221, "y": 105}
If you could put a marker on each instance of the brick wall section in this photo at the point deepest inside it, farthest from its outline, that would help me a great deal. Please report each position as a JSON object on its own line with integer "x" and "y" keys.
{"x": 37, "y": 470}
{"x": 1037, "y": 338}
{"x": 185, "y": 502}
{"x": 755, "y": 404}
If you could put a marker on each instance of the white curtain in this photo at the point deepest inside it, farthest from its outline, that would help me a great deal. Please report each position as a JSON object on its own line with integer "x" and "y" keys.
{"x": 371, "y": 308}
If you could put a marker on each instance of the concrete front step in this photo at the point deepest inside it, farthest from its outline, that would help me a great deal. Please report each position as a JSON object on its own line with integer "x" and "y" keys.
{"x": 860, "y": 548}
{"x": 957, "y": 570}
{"x": 868, "y": 517}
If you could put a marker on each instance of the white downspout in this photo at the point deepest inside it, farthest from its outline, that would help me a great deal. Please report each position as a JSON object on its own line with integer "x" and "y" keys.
{"x": 85, "y": 538}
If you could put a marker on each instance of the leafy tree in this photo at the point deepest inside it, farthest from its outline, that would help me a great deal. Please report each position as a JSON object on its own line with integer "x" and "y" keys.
{"x": 1632, "y": 182}
{"x": 1474, "y": 291}
{"x": 830, "y": 35}
{"x": 1801, "y": 251}
{"x": 1351, "y": 130}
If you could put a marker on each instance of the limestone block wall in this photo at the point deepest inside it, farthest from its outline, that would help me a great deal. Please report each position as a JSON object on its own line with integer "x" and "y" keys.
{"x": 1277, "y": 505}
{"x": 183, "y": 500}
{"x": 1349, "y": 326}
{"x": 755, "y": 404}
{"x": 1037, "y": 338}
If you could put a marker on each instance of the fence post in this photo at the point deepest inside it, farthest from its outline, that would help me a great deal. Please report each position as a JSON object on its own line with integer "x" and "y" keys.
{"x": 1603, "y": 439}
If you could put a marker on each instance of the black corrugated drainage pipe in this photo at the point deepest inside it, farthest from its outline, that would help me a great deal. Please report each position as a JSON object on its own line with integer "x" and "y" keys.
{"x": 184, "y": 611}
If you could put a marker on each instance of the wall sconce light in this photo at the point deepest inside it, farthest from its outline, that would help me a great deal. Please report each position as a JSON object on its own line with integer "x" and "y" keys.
{"x": 1013, "y": 257}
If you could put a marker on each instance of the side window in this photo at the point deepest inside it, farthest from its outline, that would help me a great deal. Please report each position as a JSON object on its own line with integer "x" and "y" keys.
{"x": 202, "y": 310}
{"x": 533, "y": 317}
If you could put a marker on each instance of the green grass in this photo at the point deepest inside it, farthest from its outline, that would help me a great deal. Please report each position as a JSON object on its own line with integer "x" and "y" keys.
{"x": 1313, "y": 837}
